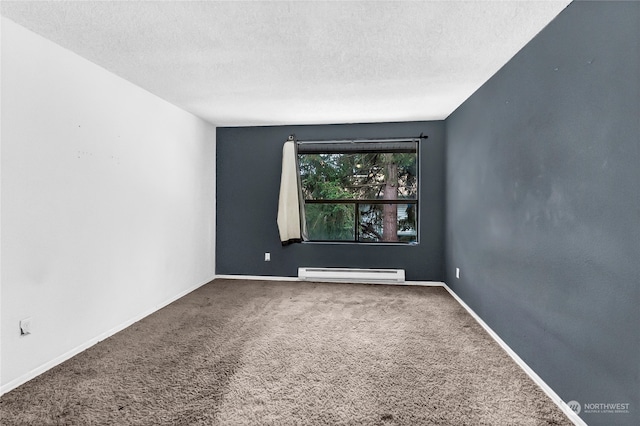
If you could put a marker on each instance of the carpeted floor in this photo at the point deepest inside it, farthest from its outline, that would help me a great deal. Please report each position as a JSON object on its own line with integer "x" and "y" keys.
{"x": 288, "y": 353}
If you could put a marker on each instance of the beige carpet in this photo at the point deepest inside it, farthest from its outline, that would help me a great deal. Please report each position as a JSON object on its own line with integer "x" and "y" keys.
{"x": 286, "y": 353}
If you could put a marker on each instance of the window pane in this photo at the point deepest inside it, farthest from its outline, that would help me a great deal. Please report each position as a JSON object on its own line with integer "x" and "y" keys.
{"x": 360, "y": 176}
{"x": 338, "y": 178}
{"x": 330, "y": 221}
{"x": 388, "y": 223}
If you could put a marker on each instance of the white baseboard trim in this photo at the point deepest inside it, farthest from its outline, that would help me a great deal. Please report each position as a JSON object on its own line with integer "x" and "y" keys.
{"x": 537, "y": 379}
{"x": 424, "y": 283}
{"x": 272, "y": 278}
{"x": 86, "y": 345}
{"x": 256, "y": 278}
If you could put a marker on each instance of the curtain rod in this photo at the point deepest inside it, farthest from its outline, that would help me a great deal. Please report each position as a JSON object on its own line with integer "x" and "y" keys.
{"x": 410, "y": 138}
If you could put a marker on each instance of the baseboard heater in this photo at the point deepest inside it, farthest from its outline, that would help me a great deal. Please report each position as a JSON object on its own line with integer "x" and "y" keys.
{"x": 352, "y": 275}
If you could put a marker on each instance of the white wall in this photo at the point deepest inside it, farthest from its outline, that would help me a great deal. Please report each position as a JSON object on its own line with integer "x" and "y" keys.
{"x": 108, "y": 203}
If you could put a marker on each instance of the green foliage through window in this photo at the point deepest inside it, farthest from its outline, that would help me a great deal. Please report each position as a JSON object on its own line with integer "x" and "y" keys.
{"x": 360, "y": 192}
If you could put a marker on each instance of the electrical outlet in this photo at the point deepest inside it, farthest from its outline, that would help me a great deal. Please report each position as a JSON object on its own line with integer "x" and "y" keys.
{"x": 458, "y": 273}
{"x": 267, "y": 257}
{"x": 25, "y": 327}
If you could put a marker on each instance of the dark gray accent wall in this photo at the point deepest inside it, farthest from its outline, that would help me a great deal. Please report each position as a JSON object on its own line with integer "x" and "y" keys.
{"x": 543, "y": 205}
{"x": 249, "y": 163}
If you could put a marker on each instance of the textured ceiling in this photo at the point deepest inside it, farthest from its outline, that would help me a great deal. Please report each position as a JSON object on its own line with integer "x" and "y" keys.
{"x": 294, "y": 62}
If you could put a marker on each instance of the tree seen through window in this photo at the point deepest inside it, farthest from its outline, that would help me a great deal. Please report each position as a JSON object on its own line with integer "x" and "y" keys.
{"x": 360, "y": 192}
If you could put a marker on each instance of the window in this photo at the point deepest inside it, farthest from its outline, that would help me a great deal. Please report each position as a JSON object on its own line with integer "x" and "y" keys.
{"x": 360, "y": 191}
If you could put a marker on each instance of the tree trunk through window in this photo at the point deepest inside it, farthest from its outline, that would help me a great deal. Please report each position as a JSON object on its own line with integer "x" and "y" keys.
{"x": 390, "y": 192}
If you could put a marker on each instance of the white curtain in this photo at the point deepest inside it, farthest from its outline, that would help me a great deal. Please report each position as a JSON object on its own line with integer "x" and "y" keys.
{"x": 290, "y": 219}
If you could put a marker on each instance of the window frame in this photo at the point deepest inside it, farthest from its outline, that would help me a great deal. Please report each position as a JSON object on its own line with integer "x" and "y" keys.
{"x": 356, "y": 202}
